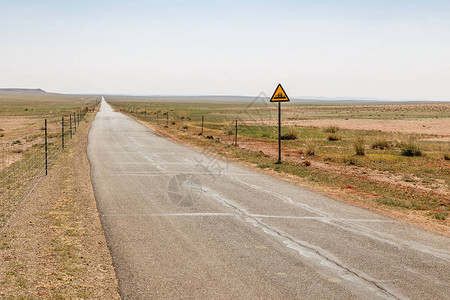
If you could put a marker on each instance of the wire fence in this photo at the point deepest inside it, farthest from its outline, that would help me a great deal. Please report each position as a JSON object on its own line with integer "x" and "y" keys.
{"x": 26, "y": 160}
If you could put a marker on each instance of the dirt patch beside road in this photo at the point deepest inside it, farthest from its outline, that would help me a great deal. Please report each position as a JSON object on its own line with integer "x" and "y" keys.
{"x": 439, "y": 127}
{"x": 54, "y": 246}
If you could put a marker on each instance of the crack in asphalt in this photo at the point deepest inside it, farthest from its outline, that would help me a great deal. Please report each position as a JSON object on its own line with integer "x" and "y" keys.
{"x": 292, "y": 243}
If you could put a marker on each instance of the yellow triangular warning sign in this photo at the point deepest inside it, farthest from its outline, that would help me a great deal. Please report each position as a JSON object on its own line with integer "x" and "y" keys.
{"x": 279, "y": 95}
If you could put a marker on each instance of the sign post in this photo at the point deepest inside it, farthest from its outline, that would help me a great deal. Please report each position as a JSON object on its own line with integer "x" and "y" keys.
{"x": 279, "y": 96}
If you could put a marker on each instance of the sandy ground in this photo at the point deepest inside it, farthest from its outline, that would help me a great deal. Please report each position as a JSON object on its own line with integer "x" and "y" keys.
{"x": 54, "y": 246}
{"x": 439, "y": 127}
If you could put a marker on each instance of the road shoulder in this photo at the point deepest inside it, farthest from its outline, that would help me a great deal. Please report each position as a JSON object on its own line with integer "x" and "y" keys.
{"x": 54, "y": 246}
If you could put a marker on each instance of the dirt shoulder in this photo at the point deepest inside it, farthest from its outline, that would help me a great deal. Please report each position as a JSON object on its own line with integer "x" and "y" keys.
{"x": 54, "y": 246}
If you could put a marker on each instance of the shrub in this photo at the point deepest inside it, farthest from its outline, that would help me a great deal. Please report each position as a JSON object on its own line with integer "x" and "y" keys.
{"x": 263, "y": 166}
{"x": 173, "y": 123}
{"x": 310, "y": 148}
{"x": 352, "y": 161}
{"x": 381, "y": 144}
{"x": 438, "y": 215}
{"x": 16, "y": 142}
{"x": 358, "y": 145}
{"x": 331, "y": 129}
{"x": 307, "y": 163}
{"x": 333, "y": 137}
{"x": 410, "y": 148}
{"x": 185, "y": 127}
{"x": 291, "y": 135}
{"x": 447, "y": 156}
{"x": 18, "y": 150}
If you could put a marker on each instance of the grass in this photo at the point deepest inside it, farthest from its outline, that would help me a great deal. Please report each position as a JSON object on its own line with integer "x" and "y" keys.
{"x": 333, "y": 137}
{"x": 359, "y": 147}
{"x": 310, "y": 148}
{"x": 351, "y": 161}
{"x": 290, "y": 135}
{"x": 410, "y": 148}
{"x": 381, "y": 144}
{"x": 438, "y": 215}
{"x": 331, "y": 129}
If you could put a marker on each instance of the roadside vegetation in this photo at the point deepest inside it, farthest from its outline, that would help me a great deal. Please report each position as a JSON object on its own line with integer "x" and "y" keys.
{"x": 380, "y": 169}
{"x": 51, "y": 242}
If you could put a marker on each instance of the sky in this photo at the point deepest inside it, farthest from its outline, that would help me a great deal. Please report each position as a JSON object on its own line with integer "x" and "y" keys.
{"x": 383, "y": 49}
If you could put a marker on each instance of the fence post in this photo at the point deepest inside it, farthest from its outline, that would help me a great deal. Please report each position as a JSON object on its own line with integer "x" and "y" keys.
{"x": 46, "y": 156}
{"x": 167, "y": 119}
{"x": 157, "y": 121}
{"x": 235, "y": 135}
{"x": 75, "y": 122}
{"x": 202, "y": 124}
{"x": 70, "y": 117}
{"x": 62, "y": 132}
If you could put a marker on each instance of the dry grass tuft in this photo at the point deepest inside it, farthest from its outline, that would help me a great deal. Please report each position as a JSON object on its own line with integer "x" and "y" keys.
{"x": 358, "y": 145}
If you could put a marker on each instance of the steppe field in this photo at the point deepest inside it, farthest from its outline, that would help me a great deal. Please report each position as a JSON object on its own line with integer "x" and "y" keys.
{"x": 393, "y": 158}
{"x": 51, "y": 241}
{"x": 22, "y": 116}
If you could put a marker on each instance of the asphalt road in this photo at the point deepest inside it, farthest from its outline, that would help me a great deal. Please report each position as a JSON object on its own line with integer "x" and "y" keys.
{"x": 183, "y": 224}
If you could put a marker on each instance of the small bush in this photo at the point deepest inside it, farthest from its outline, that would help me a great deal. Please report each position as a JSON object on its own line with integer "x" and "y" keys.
{"x": 310, "y": 148}
{"x": 408, "y": 178}
{"x": 447, "y": 156}
{"x": 333, "y": 137}
{"x": 351, "y": 161}
{"x": 185, "y": 127}
{"x": 17, "y": 142}
{"x": 307, "y": 163}
{"x": 438, "y": 215}
{"x": 381, "y": 144}
{"x": 2, "y": 135}
{"x": 410, "y": 148}
{"x": 173, "y": 123}
{"x": 263, "y": 166}
{"x": 291, "y": 135}
{"x": 331, "y": 129}
{"x": 358, "y": 145}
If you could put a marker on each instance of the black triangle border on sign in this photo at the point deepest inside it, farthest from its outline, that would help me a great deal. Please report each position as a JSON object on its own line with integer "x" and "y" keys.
{"x": 279, "y": 85}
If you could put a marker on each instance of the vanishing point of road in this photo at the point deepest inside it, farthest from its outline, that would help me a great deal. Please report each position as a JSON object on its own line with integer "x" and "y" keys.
{"x": 184, "y": 224}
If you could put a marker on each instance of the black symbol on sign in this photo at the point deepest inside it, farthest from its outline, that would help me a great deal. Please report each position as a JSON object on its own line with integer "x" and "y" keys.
{"x": 279, "y": 96}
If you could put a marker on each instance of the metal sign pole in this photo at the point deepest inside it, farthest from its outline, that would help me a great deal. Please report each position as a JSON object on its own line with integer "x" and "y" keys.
{"x": 62, "y": 132}
{"x": 46, "y": 155}
{"x": 279, "y": 132}
{"x": 279, "y": 96}
{"x": 235, "y": 135}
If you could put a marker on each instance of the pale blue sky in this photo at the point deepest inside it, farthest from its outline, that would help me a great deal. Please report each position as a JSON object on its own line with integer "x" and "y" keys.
{"x": 384, "y": 49}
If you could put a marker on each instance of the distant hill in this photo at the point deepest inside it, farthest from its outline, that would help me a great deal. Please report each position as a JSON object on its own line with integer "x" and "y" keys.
{"x": 22, "y": 91}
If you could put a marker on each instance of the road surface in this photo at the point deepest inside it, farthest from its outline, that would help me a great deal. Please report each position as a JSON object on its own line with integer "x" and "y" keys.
{"x": 183, "y": 224}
